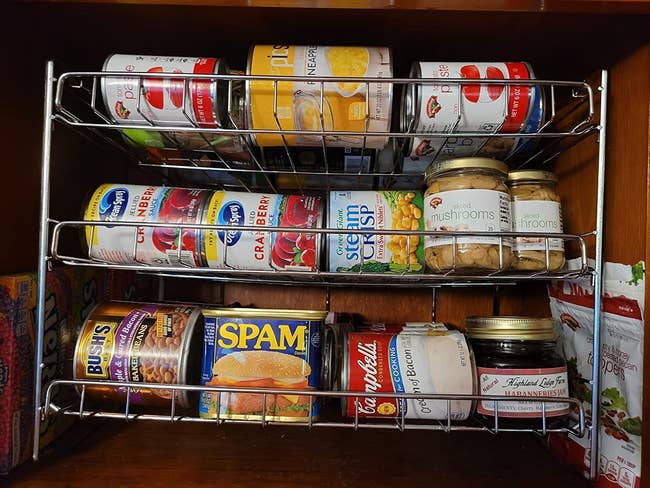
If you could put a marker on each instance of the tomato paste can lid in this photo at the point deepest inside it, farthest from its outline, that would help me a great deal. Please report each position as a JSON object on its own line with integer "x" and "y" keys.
{"x": 510, "y": 328}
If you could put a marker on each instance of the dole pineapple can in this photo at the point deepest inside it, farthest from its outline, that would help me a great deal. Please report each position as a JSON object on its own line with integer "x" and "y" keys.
{"x": 296, "y": 105}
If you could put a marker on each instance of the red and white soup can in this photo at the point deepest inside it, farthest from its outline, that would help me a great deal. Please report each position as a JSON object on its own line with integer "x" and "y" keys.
{"x": 450, "y": 109}
{"x": 155, "y": 246}
{"x": 432, "y": 362}
{"x": 144, "y": 100}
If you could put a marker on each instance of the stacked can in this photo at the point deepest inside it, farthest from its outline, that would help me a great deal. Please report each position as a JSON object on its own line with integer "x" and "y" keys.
{"x": 451, "y": 109}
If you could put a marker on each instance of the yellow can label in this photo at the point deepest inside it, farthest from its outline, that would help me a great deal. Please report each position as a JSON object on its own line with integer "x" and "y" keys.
{"x": 343, "y": 106}
{"x": 211, "y": 237}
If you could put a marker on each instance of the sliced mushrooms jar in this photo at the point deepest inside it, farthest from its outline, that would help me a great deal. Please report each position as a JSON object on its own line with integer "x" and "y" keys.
{"x": 467, "y": 194}
{"x": 536, "y": 208}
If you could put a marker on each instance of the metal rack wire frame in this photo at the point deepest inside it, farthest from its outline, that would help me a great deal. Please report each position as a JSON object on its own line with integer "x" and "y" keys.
{"x": 51, "y": 99}
{"x": 416, "y": 279}
{"x": 62, "y": 114}
{"x": 401, "y": 420}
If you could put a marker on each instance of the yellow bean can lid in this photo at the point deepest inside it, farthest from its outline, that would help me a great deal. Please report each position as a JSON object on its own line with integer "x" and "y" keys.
{"x": 531, "y": 175}
{"x": 437, "y": 168}
{"x": 510, "y": 328}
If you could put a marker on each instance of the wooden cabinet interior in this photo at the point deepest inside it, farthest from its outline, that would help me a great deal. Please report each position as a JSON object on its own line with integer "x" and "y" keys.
{"x": 559, "y": 45}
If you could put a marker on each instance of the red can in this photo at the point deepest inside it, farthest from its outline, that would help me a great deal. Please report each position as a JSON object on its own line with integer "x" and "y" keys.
{"x": 439, "y": 362}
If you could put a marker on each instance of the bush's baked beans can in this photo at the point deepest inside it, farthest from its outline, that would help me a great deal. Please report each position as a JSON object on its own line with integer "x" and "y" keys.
{"x": 140, "y": 343}
{"x": 156, "y": 246}
{"x": 291, "y": 250}
{"x": 432, "y": 362}
{"x": 347, "y": 106}
{"x": 451, "y": 109}
{"x": 261, "y": 348}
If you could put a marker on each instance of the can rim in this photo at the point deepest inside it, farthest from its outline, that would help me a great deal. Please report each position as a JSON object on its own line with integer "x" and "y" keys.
{"x": 510, "y": 327}
{"x": 436, "y": 168}
{"x": 265, "y": 312}
{"x": 531, "y": 175}
{"x": 183, "y": 354}
{"x": 410, "y": 94}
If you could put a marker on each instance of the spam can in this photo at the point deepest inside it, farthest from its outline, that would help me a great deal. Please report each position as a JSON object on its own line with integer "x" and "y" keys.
{"x": 296, "y": 105}
{"x": 155, "y": 246}
{"x": 290, "y": 250}
{"x": 261, "y": 348}
{"x": 436, "y": 362}
{"x": 451, "y": 109}
{"x": 140, "y": 343}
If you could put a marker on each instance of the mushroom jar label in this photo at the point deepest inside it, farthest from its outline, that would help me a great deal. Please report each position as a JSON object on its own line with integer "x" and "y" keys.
{"x": 537, "y": 216}
{"x": 467, "y": 210}
{"x": 517, "y": 383}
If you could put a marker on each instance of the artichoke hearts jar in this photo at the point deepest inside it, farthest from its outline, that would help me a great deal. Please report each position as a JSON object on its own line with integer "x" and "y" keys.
{"x": 467, "y": 194}
{"x": 536, "y": 208}
{"x": 518, "y": 357}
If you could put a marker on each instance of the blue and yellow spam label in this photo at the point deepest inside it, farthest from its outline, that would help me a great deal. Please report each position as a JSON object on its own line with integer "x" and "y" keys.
{"x": 257, "y": 348}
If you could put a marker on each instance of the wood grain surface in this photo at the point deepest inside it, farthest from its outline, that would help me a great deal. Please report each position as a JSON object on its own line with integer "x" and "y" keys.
{"x": 189, "y": 455}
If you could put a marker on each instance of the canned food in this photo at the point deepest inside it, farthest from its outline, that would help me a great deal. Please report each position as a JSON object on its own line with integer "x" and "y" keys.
{"x": 156, "y": 246}
{"x": 376, "y": 210}
{"x": 536, "y": 208}
{"x": 140, "y": 343}
{"x": 151, "y": 101}
{"x": 467, "y": 194}
{"x": 451, "y": 109}
{"x": 261, "y": 348}
{"x": 263, "y": 250}
{"x": 437, "y": 363}
{"x": 296, "y": 105}
{"x": 405, "y": 327}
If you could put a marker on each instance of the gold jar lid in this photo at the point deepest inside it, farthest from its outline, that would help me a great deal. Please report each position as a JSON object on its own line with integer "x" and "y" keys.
{"x": 510, "y": 328}
{"x": 439, "y": 167}
{"x": 531, "y": 174}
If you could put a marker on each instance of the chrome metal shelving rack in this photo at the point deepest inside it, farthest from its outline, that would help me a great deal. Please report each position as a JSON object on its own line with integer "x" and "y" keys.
{"x": 73, "y": 99}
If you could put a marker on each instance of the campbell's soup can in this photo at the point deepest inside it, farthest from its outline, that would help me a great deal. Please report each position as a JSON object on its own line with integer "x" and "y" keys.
{"x": 435, "y": 362}
{"x": 451, "y": 109}
{"x": 290, "y": 250}
{"x": 155, "y": 246}
{"x": 140, "y": 343}
{"x": 346, "y": 106}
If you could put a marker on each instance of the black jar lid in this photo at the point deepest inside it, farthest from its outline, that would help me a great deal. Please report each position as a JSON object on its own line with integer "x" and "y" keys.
{"x": 510, "y": 328}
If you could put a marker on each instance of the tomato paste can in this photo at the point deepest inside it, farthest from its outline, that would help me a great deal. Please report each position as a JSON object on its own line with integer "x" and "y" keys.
{"x": 452, "y": 109}
{"x": 165, "y": 101}
{"x": 140, "y": 343}
{"x": 438, "y": 362}
{"x": 261, "y": 348}
{"x": 290, "y": 250}
{"x": 396, "y": 328}
{"x": 154, "y": 246}
{"x": 346, "y": 106}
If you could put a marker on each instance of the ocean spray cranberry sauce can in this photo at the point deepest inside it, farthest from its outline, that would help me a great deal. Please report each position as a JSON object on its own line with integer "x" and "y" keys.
{"x": 450, "y": 109}
{"x": 165, "y": 101}
{"x": 438, "y": 361}
{"x": 155, "y": 246}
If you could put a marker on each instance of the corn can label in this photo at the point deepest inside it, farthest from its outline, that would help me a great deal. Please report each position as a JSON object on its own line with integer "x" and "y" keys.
{"x": 436, "y": 362}
{"x": 158, "y": 246}
{"x": 263, "y": 250}
{"x": 346, "y": 106}
{"x": 263, "y": 352}
{"x": 376, "y": 210}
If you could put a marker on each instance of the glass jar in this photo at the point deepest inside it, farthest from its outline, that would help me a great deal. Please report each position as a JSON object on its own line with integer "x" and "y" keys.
{"x": 518, "y": 357}
{"x": 536, "y": 208}
{"x": 468, "y": 194}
